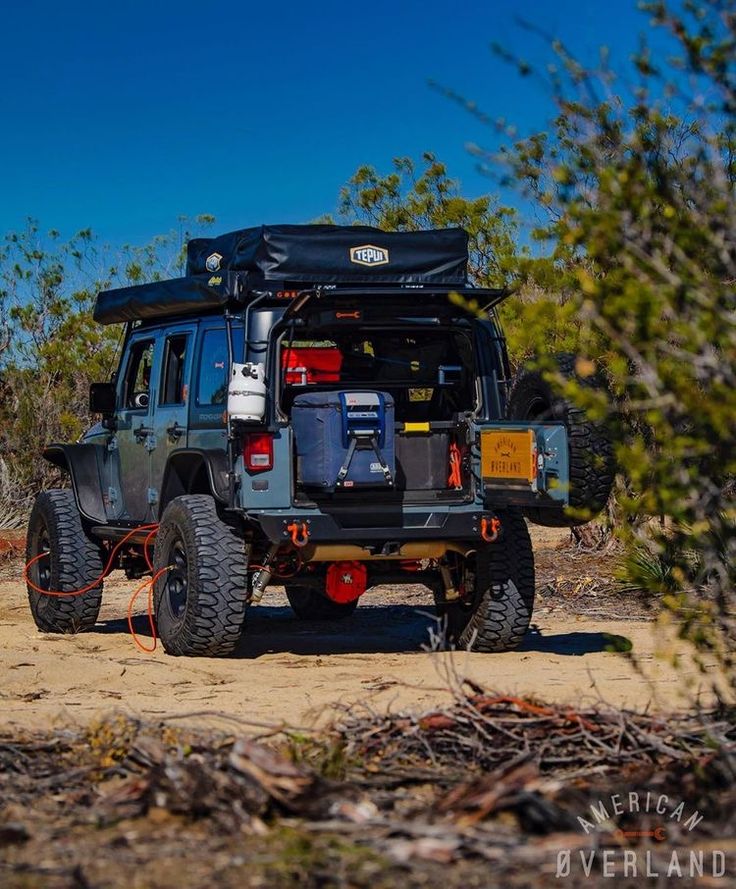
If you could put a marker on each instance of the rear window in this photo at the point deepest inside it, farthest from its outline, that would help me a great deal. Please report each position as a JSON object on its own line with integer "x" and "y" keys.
{"x": 172, "y": 379}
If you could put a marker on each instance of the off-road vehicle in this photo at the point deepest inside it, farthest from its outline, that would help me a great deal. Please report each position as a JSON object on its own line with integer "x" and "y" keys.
{"x": 320, "y": 407}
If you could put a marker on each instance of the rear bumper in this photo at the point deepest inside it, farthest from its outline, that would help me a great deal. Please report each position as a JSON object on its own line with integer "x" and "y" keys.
{"x": 378, "y": 526}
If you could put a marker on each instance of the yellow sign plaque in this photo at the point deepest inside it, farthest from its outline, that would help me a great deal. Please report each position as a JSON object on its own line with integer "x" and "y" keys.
{"x": 508, "y": 454}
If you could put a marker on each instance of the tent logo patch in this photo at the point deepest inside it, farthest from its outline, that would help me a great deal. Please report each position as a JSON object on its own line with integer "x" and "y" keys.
{"x": 213, "y": 261}
{"x": 369, "y": 254}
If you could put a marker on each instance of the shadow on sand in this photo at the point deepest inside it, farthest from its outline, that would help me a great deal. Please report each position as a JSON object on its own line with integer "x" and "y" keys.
{"x": 396, "y": 629}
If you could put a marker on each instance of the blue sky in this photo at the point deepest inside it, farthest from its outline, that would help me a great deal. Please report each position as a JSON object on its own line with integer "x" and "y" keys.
{"x": 123, "y": 116}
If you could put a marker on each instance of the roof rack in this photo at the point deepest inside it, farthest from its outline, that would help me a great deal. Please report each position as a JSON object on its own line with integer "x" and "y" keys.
{"x": 198, "y": 294}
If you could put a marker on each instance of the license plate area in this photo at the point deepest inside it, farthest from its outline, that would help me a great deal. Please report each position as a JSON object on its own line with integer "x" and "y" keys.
{"x": 508, "y": 454}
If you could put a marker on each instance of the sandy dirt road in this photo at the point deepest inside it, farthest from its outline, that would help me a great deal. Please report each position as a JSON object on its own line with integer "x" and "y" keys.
{"x": 297, "y": 672}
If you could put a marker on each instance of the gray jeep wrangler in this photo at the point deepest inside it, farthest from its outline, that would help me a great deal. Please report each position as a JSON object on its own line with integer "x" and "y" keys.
{"x": 320, "y": 407}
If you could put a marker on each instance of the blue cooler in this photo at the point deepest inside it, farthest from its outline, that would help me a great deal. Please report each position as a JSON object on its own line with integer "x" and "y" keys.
{"x": 344, "y": 440}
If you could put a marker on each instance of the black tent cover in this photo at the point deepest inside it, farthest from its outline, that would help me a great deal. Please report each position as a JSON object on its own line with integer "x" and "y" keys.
{"x": 335, "y": 254}
{"x": 176, "y": 296}
{"x": 220, "y": 271}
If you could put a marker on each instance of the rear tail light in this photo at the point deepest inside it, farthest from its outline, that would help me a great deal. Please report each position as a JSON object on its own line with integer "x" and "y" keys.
{"x": 258, "y": 451}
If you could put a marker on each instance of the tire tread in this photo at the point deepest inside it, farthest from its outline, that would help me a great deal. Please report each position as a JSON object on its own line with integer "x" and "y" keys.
{"x": 502, "y": 616}
{"x": 78, "y": 563}
{"x": 216, "y": 606}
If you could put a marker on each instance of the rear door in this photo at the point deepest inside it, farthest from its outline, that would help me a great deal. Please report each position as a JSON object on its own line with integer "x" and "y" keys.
{"x": 520, "y": 463}
{"x": 133, "y": 440}
{"x": 171, "y": 400}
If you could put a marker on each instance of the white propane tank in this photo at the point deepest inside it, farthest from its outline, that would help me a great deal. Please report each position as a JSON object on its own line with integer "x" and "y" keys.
{"x": 246, "y": 394}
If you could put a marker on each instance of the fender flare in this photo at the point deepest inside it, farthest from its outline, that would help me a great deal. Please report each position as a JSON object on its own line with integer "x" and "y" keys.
{"x": 83, "y": 462}
{"x": 184, "y": 468}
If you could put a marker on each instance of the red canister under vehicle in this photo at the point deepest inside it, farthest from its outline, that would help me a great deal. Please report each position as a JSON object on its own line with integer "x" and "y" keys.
{"x": 346, "y": 581}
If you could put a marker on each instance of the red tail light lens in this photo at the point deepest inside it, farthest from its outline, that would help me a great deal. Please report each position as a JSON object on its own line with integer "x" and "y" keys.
{"x": 258, "y": 451}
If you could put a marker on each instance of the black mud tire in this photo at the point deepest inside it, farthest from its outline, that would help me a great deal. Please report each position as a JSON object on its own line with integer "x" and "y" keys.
{"x": 74, "y": 562}
{"x": 200, "y": 604}
{"x": 310, "y": 604}
{"x": 591, "y": 457}
{"x": 498, "y": 615}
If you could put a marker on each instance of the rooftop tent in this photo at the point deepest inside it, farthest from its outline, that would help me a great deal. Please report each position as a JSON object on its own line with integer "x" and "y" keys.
{"x": 222, "y": 271}
{"x": 313, "y": 254}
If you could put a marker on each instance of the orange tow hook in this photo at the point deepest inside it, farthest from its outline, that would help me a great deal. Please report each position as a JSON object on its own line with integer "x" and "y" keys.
{"x": 489, "y": 528}
{"x": 299, "y": 533}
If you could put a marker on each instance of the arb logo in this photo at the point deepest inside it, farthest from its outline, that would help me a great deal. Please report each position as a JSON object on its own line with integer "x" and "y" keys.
{"x": 213, "y": 261}
{"x": 368, "y": 254}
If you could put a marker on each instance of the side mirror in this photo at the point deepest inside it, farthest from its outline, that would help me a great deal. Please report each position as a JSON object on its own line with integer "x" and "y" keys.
{"x": 102, "y": 398}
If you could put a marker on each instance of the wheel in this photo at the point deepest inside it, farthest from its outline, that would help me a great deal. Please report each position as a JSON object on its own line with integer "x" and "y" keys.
{"x": 200, "y": 602}
{"x": 73, "y": 562}
{"x": 500, "y": 580}
{"x": 309, "y": 604}
{"x": 592, "y": 464}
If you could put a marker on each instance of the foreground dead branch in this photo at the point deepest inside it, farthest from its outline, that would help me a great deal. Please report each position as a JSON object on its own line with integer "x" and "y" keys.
{"x": 384, "y": 798}
{"x": 484, "y": 731}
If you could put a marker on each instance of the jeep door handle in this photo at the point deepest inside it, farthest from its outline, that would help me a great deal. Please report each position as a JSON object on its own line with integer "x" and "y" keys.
{"x": 142, "y": 432}
{"x": 175, "y": 431}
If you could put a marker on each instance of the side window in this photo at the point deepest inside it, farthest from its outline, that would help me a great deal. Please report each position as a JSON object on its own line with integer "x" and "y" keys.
{"x": 137, "y": 384}
{"x": 172, "y": 379}
{"x": 213, "y": 375}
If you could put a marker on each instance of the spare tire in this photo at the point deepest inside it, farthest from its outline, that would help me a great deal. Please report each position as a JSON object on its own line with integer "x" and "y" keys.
{"x": 592, "y": 465}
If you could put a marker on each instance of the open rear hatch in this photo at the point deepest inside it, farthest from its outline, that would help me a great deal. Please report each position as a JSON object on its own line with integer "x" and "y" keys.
{"x": 379, "y": 400}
